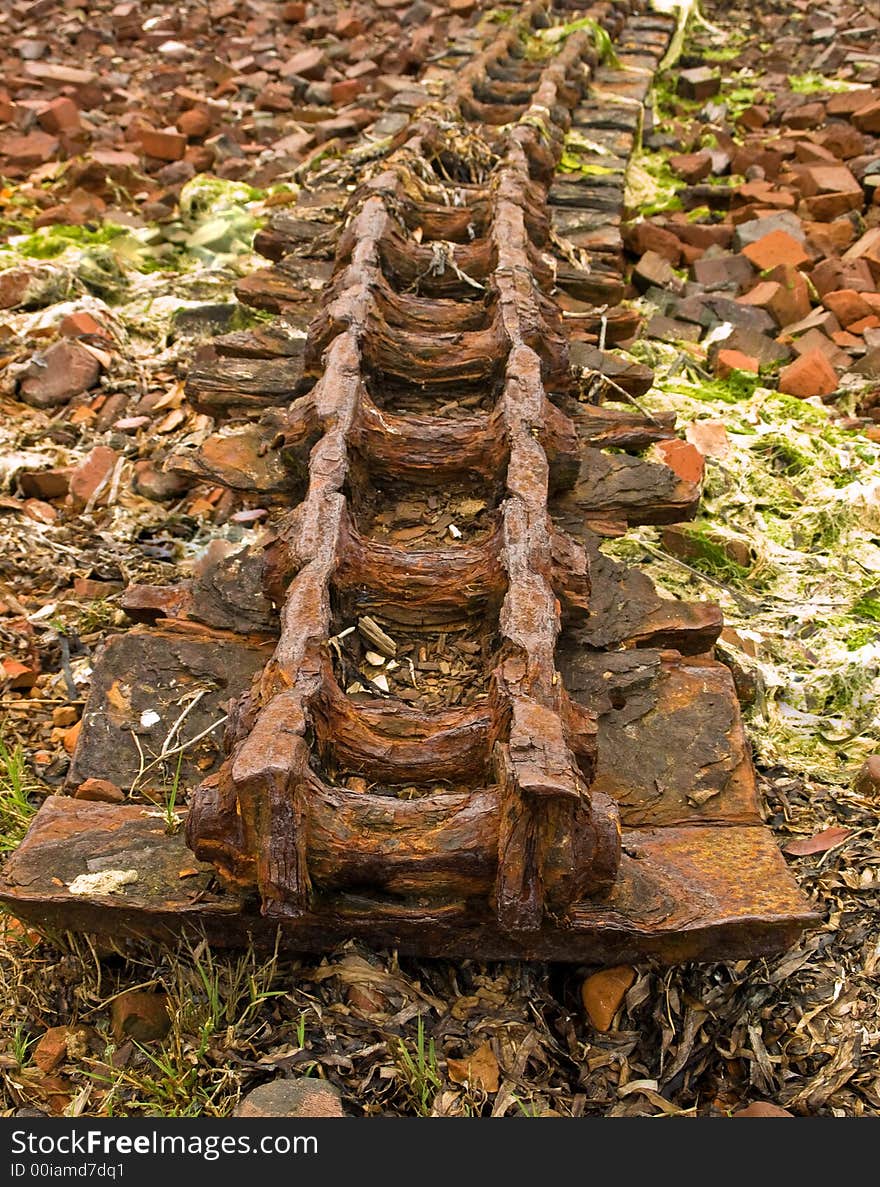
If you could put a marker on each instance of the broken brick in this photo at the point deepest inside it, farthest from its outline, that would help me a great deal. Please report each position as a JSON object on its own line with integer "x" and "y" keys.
{"x": 92, "y": 474}
{"x": 61, "y": 115}
{"x": 734, "y": 360}
{"x": 847, "y": 306}
{"x": 867, "y": 119}
{"x": 140, "y": 1015}
{"x": 699, "y": 83}
{"x": 58, "y": 374}
{"x": 100, "y": 791}
{"x": 166, "y": 144}
{"x": 776, "y": 248}
{"x": 808, "y": 376}
{"x": 691, "y": 167}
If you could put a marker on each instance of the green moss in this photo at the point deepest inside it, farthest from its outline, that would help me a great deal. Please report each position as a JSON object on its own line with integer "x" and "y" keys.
{"x": 798, "y": 490}
{"x": 573, "y": 162}
{"x": 861, "y": 638}
{"x": 553, "y": 37}
{"x": 813, "y": 83}
{"x": 707, "y": 552}
{"x": 867, "y": 607}
{"x": 46, "y": 243}
{"x": 651, "y": 186}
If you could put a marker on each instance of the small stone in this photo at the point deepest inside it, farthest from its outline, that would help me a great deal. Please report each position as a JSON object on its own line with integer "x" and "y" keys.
{"x": 79, "y": 324}
{"x": 691, "y": 167}
{"x": 815, "y": 340}
{"x": 194, "y": 124}
{"x": 45, "y": 484}
{"x": 39, "y": 511}
{"x": 275, "y": 97}
{"x": 88, "y": 587}
{"x": 763, "y": 1108}
{"x": 308, "y": 63}
{"x": 345, "y": 91}
{"x": 18, "y": 675}
{"x": 70, "y": 736}
{"x": 722, "y": 272}
{"x": 58, "y": 374}
{"x": 21, "y": 286}
{"x": 843, "y": 140}
{"x": 756, "y": 228}
{"x": 681, "y": 457}
{"x": 867, "y": 781}
{"x": 349, "y": 24}
{"x": 786, "y": 300}
{"x": 700, "y": 83}
{"x": 100, "y": 791}
{"x": 808, "y": 115}
{"x": 65, "y": 715}
{"x": 868, "y": 119}
{"x": 153, "y": 483}
{"x": 298, "y": 1097}
{"x": 647, "y": 236}
{"x": 808, "y": 376}
{"x": 140, "y": 1016}
{"x": 826, "y": 179}
{"x": 847, "y": 103}
{"x": 753, "y": 342}
{"x": 603, "y": 993}
{"x": 28, "y": 151}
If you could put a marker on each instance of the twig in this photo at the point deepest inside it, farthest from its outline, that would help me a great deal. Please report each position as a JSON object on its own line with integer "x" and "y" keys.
{"x": 177, "y": 749}
{"x": 66, "y": 669}
{"x": 743, "y": 602}
{"x": 632, "y": 400}
{"x": 169, "y": 738}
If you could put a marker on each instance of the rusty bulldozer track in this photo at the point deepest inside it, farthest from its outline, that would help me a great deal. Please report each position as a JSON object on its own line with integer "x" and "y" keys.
{"x": 457, "y": 727}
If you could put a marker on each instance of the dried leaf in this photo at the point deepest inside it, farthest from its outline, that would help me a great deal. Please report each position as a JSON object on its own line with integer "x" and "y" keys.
{"x": 819, "y": 842}
{"x": 478, "y": 1070}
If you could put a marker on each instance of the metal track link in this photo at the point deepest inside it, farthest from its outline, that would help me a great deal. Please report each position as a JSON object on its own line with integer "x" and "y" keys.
{"x": 455, "y": 725}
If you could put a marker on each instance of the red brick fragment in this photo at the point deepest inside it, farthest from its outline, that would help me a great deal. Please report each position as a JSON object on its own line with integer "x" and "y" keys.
{"x": 847, "y": 305}
{"x": 691, "y": 167}
{"x": 165, "y": 144}
{"x": 776, "y": 248}
{"x": 808, "y": 376}
{"x": 682, "y": 458}
{"x": 734, "y": 360}
{"x": 61, "y": 115}
{"x": 868, "y": 119}
{"x": 100, "y": 791}
{"x": 61, "y": 372}
{"x": 92, "y": 473}
{"x": 80, "y": 323}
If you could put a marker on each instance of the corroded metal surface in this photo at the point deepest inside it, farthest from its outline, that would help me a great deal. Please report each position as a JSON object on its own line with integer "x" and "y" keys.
{"x": 487, "y": 741}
